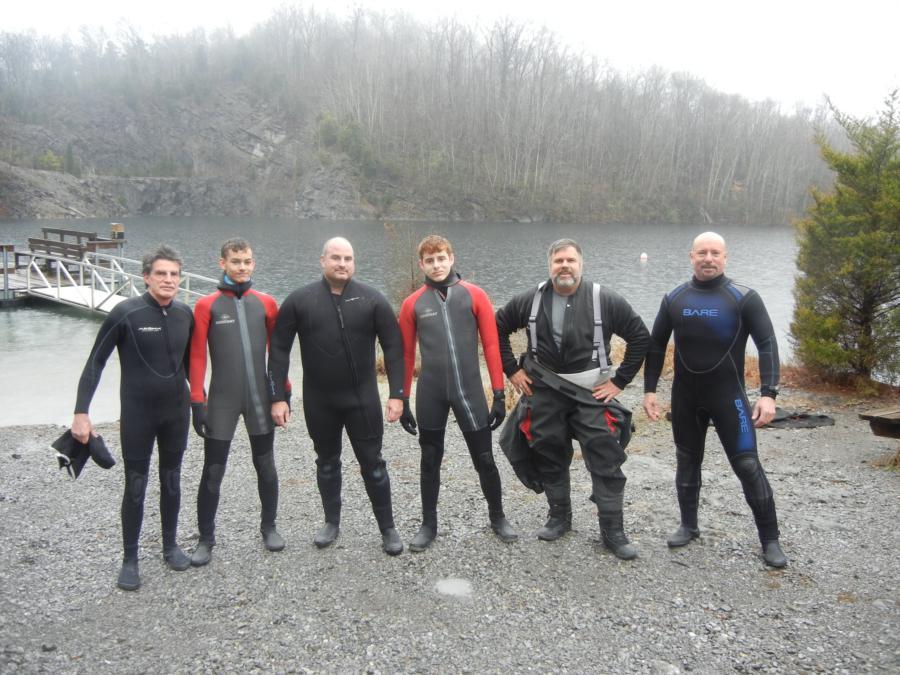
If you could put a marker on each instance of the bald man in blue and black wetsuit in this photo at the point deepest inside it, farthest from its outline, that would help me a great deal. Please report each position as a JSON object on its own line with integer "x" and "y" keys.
{"x": 712, "y": 317}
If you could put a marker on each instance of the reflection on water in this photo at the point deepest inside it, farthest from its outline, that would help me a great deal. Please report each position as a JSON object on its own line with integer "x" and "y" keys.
{"x": 45, "y": 347}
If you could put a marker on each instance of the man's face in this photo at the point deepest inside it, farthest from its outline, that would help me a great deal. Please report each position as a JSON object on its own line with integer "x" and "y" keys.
{"x": 338, "y": 264}
{"x": 708, "y": 257}
{"x": 436, "y": 265}
{"x": 238, "y": 265}
{"x": 162, "y": 282}
{"x": 565, "y": 269}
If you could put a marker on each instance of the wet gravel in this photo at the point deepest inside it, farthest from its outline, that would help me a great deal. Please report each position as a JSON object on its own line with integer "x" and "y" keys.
{"x": 470, "y": 603}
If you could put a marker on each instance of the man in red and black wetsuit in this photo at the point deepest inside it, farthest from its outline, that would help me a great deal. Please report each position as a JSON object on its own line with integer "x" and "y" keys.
{"x": 448, "y": 315}
{"x": 236, "y": 322}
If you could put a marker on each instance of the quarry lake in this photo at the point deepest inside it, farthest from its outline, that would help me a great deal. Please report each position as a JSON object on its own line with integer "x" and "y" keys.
{"x": 45, "y": 346}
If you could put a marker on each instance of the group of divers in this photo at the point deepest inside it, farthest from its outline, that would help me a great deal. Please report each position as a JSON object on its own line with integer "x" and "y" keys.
{"x": 564, "y": 378}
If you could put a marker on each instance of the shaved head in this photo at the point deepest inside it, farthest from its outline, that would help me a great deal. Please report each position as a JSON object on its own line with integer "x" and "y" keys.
{"x": 336, "y": 241}
{"x": 709, "y": 237}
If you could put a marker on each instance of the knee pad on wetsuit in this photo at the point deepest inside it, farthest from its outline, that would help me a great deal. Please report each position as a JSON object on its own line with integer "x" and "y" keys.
{"x": 746, "y": 465}
{"x": 265, "y": 467}
{"x": 135, "y": 486}
{"x": 215, "y": 473}
{"x": 170, "y": 481}
{"x": 328, "y": 469}
{"x": 376, "y": 473}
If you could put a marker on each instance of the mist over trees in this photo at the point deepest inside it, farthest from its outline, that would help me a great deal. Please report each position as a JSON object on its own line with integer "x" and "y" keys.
{"x": 505, "y": 120}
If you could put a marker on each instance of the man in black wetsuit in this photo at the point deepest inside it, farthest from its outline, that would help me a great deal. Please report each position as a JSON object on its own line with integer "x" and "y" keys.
{"x": 337, "y": 320}
{"x": 712, "y": 317}
{"x": 566, "y": 376}
{"x": 152, "y": 333}
{"x": 235, "y": 322}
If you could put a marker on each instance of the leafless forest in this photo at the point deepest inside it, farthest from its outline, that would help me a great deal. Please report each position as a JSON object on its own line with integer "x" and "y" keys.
{"x": 500, "y": 117}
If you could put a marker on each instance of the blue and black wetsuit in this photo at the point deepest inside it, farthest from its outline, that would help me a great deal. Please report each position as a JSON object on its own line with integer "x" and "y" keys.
{"x": 712, "y": 321}
{"x": 152, "y": 342}
{"x": 340, "y": 387}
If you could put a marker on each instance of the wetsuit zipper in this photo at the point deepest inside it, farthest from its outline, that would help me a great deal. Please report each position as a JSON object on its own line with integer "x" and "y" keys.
{"x": 454, "y": 361}
{"x": 349, "y": 353}
{"x": 179, "y": 392}
{"x": 248, "y": 360}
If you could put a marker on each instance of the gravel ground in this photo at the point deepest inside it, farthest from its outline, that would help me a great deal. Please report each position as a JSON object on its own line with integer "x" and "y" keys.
{"x": 470, "y": 603}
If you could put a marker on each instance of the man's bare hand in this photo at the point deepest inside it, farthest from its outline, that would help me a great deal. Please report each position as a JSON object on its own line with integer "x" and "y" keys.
{"x": 606, "y": 391}
{"x": 393, "y": 409}
{"x": 281, "y": 413}
{"x": 651, "y": 406}
{"x": 82, "y": 427}
{"x": 763, "y": 411}
{"x": 521, "y": 382}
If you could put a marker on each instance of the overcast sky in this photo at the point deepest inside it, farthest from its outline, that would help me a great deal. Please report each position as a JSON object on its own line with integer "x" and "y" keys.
{"x": 791, "y": 51}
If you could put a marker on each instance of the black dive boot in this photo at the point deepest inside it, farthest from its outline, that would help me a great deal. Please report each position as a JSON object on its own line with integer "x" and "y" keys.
{"x": 432, "y": 444}
{"x": 202, "y": 554}
{"x": 683, "y": 536}
{"x": 271, "y": 539}
{"x": 773, "y": 555}
{"x": 612, "y": 532}
{"x": 504, "y": 529}
{"x": 559, "y": 519}
{"x": 328, "y": 477}
{"x": 129, "y": 579}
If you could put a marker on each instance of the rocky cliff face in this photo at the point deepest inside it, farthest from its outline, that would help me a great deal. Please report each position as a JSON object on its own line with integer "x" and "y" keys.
{"x": 176, "y": 157}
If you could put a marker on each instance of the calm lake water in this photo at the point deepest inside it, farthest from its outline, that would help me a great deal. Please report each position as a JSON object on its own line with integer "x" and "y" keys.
{"x": 44, "y": 346}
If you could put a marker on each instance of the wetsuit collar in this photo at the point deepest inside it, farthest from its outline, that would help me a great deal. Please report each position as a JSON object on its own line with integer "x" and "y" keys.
{"x": 150, "y": 300}
{"x": 451, "y": 279}
{"x": 718, "y": 282}
{"x": 226, "y": 284}
{"x": 328, "y": 286}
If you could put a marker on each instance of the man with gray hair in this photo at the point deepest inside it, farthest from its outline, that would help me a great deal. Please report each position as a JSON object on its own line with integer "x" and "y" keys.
{"x": 152, "y": 334}
{"x": 570, "y": 388}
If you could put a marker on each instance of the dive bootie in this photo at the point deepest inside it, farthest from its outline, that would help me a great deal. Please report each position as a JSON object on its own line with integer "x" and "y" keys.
{"x": 202, "y": 554}
{"x": 555, "y": 527}
{"x": 503, "y": 529}
{"x": 176, "y": 559}
{"x": 391, "y": 542}
{"x": 129, "y": 579}
{"x": 423, "y": 538}
{"x": 272, "y": 540}
{"x": 773, "y": 555}
{"x": 683, "y": 536}
{"x": 327, "y": 535}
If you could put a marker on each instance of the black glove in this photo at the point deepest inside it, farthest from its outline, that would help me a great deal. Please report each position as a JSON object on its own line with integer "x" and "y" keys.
{"x": 198, "y": 419}
{"x": 407, "y": 421}
{"x": 498, "y": 409}
{"x": 528, "y": 476}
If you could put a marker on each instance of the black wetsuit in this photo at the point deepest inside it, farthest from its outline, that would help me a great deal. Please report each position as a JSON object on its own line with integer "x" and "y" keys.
{"x": 340, "y": 388}
{"x": 235, "y": 323}
{"x": 556, "y": 417}
{"x": 152, "y": 342}
{"x": 711, "y": 321}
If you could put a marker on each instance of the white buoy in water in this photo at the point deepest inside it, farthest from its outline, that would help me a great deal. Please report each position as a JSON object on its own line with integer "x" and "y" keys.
{"x": 643, "y": 257}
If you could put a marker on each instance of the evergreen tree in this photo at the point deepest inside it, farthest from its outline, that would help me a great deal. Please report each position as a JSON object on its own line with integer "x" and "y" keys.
{"x": 847, "y": 317}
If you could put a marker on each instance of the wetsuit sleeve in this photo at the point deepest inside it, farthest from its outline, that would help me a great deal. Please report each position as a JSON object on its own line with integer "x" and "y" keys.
{"x": 280, "y": 342}
{"x": 271, "y": 308}
{"x": 106, "y": 341}
{"x": 757, "y": 320}
{"x": 487, "y": 329}
{"x": 628, "y": 325}
{"x": 659, "y": 341}
{"x": 510, "y": 318}
{"x": 408, "y": 331}
{"x": 198, "y": 348}
{"x": 388, "y": 331}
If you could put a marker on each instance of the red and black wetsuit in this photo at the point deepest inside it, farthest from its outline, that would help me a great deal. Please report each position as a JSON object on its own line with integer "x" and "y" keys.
{"x": 152, "y": 342}
{"x": 235, "y": 322}
{"x": 448, "y": 318}
{"x": 340, "y": 387}
{"x": 712, "y": 321}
